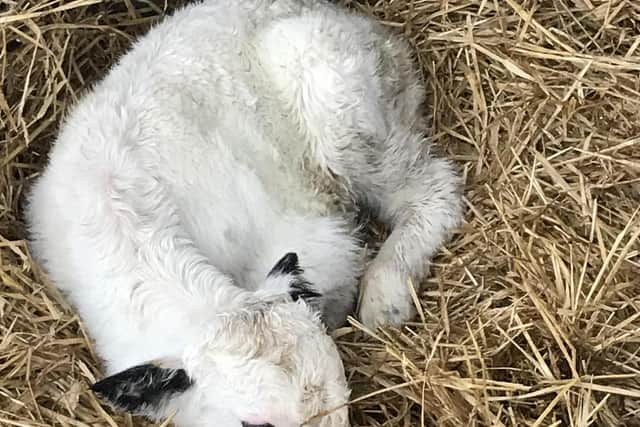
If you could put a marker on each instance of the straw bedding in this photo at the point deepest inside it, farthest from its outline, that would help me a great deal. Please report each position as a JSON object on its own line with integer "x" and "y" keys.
{"x": 532, "y": 314}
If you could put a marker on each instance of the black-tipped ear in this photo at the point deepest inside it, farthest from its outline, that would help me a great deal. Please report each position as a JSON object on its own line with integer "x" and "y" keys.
{"x": 142, "y": 388}
{"x": 300, "y": 288}
{"x": 303, "y": 290}
{"x": 288, "y": 264}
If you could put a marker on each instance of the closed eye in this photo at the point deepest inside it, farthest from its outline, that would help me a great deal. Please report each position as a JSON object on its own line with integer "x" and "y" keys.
{"x": 245, "y": 424}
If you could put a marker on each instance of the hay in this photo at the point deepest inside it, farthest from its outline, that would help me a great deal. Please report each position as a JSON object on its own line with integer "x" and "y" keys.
{"x": 532, "y": 316}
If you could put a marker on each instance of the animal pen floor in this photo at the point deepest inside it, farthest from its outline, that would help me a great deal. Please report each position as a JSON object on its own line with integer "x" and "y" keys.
{"x": 532, "y": 314}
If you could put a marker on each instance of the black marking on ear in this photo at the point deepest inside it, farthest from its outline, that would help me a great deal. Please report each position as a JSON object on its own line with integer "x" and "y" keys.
{"x": 301, "y": 289}
{"x": 288, "y": 264}
{"x": 142, "y": 387}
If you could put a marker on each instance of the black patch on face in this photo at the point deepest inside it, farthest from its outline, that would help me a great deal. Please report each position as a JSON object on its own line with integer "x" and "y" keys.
{"x": 142, "y": 387}
{"x": 288, "y": 264}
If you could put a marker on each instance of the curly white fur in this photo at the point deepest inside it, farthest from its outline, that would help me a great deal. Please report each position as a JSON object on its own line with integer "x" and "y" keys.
{"x": 232, "y": 133}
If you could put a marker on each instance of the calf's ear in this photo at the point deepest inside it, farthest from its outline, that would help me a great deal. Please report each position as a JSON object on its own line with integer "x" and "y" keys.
{"x": 143, "y": 388}
{"x": 288, "y": 264}
{"x": 299, "y": 287}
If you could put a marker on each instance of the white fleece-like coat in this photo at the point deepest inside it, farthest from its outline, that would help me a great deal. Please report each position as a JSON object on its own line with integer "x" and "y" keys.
{"x": 212, "y": 178}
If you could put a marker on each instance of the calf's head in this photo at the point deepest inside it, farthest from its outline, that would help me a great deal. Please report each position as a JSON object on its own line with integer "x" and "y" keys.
{"x": 270, "y": 364}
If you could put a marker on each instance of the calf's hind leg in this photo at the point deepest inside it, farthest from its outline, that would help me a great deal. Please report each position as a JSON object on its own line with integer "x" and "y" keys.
{"x": 355, "y": 92}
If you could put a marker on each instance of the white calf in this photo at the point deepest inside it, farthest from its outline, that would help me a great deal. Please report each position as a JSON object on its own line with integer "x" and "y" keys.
{"x": 199, "y": 208}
